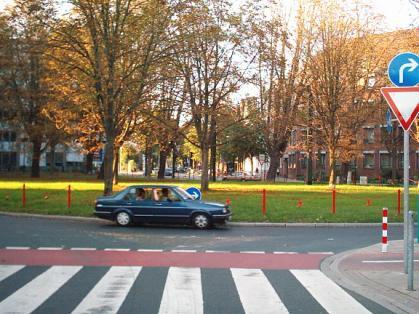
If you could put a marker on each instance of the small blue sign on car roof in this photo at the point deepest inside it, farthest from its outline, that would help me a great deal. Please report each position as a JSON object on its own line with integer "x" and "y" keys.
{"x": 403, "y": 69}
{"x": 195, "y": 192}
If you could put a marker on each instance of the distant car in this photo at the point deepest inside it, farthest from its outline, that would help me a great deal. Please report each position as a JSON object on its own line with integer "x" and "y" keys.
{"x": 168, "y": 172}
{"x": 240, "y": 176}
{"x": 160, "y": 204}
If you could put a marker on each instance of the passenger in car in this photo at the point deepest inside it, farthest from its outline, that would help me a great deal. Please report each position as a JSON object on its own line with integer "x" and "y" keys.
{"x": 140, "y": 194}
{"x": 165, "y": 195}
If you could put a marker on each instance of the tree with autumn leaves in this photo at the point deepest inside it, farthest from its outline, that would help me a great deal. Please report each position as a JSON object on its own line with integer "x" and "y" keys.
{"x": 113, "y": 70}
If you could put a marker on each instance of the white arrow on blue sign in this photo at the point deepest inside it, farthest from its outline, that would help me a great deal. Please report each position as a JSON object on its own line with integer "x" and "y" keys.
{"x": 403, "y": 69}
{"x": 195, "y": 192}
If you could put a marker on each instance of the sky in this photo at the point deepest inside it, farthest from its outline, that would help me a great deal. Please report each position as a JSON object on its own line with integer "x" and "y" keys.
{"x": 399, "y": 14}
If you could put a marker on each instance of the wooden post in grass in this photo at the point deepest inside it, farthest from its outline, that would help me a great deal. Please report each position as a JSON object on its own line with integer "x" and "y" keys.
{"x": 69, "y": 196}
{"x": 264, "y": 202}
{"x": 24, "y": 195}
{"x": 334, "y": 201}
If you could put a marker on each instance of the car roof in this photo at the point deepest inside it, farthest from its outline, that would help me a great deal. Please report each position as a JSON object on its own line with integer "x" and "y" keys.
{"x": 152, "y": 186}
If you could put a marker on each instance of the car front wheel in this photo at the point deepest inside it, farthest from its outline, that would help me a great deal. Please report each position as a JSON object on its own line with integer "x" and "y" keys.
{"x": 123, "y": 219}
{"x": 201, "y": 221}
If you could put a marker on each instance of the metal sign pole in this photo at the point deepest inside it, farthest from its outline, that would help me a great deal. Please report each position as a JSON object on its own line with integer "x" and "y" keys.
{"x": 406, "y": 195}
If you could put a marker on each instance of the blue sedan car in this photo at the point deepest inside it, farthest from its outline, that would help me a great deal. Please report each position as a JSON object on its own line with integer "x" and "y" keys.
{"x": 160, "y": 204}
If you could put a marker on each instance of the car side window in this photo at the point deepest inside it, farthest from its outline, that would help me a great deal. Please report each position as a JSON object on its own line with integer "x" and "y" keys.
{"x": 130, "y": 196}
{"x": 165, "y": 195}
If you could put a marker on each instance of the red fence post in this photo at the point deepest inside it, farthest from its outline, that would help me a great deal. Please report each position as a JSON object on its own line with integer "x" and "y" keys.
{"x": 264, "y": 202}
{"x": 69, "y": 196}
{"x": 398, "y": 202}
{"x": 384, "y": 235}
{"x": 24, "y": 195}
{"x": 334, "y": 201}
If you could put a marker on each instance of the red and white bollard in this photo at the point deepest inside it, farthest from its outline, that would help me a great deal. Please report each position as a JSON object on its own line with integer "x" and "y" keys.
{"x": 384, "y": 237}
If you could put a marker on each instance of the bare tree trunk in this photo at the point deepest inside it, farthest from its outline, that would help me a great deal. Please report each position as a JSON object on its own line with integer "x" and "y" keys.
{"x": 174, "y": 156}
{"x": 108, "y": 166}
{"x": 162, "y": 164}
{"x": 344, "y": 173}
{"x": 148, "y": 162}
{"x": 204, "y": 174}
{"x": 332, "y": 166}
{"x": 52, "y": 159}
{"x": 36, "y": 156}
{"x": 214, "y": 161}
{"x": 89, "y": 162}
{"x": 273, "y": 166}
{"x": 116, "y": 166}
{"x": 309, "y": 174}
{"x": 101, "y": 174}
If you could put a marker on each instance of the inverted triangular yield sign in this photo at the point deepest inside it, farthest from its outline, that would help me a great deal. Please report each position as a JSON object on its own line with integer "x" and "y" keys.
{"x": 404, "y": 102}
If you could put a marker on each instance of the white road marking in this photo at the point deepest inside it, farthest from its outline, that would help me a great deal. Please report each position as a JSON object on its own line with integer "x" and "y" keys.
{"x": 253, "y": 252}
{"x": 17, "y": 247}
{"x": 117, "y": 250}
{"x": 329, "y": 295}
{"x": 324, "y": 253}
{"x": 110, "y": 292}
{"x": 256, "y": 293}
{"x": 149, "y": 250}
{"x": 387, "y": 261}
{"x": 184, "y": 251}
{"x": 8, "y": 270}
{"x": 33, "y": 294}
{"x": 49, "y": 248}
{"x": 285, "y": 252}
{"x": 182, "y": 292}
{"x": 83, "y": 249}
{"x": 210, "y": 251}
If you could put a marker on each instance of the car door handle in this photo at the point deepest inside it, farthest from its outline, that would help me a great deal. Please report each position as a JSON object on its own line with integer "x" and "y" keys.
{"x": 159, "y": 204}
{"x": 129, "y": 203}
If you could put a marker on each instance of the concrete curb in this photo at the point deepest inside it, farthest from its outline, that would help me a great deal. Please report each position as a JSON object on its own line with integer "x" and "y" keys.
{"x": 235, "y": 224}
{"x": 361, "y": 284}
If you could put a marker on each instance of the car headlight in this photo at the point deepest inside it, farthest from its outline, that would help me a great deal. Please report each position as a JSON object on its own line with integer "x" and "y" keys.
{"x": 224, "y": 210}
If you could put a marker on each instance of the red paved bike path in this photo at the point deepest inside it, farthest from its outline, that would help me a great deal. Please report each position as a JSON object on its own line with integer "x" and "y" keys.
{"x": 34, "y": 257}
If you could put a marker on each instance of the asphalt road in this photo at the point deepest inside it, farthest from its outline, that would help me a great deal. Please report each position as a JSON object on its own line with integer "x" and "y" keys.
{"x": 42, "y": 232}
{"x": 107, "y": 287}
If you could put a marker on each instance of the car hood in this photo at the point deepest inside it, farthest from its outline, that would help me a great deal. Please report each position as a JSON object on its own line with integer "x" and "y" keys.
{"x": 104, "y": 198}
{"x": 212, "y": 204}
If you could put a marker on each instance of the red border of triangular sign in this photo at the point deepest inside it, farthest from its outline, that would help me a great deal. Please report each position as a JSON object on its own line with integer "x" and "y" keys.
{"x": 386, "y": 90}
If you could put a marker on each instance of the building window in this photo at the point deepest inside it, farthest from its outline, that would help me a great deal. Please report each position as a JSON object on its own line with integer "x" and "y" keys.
{"x": 291, "y": 161}
{"x": 8, "y": 136}
{"x": 369, "y": 136}
{"x": 369, "y": 161}
{"x": 385, "y": 161}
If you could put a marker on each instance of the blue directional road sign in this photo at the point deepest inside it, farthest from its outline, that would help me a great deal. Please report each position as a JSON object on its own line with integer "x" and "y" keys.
{"x": 403, "y": 69}
{"x": 195, "y": 192}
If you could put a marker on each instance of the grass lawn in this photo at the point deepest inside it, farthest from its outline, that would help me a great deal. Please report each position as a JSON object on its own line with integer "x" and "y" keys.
{"x": 286, "y": 202}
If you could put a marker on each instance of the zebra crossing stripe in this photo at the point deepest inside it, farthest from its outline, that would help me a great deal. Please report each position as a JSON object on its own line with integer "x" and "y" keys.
{"x": 8, "y": 270}
{"x": 182, "y": 291}
{"x": 256, "y": 293}
{"x": 110, "y": 292}
{"x": 329, "y": 295}
{"x": 33, "y": 294}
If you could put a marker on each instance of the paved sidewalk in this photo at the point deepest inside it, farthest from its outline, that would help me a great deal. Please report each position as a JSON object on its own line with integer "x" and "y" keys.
{"x": 377, "y": 276}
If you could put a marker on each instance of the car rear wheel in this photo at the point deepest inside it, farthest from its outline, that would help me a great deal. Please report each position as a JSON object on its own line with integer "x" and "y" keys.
{"x": 201, "y": 221}
{"x": 123, "y": 219}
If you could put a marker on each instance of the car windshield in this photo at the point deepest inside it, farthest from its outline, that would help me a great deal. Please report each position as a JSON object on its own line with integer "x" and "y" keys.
{"x": 185, "y": 195}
